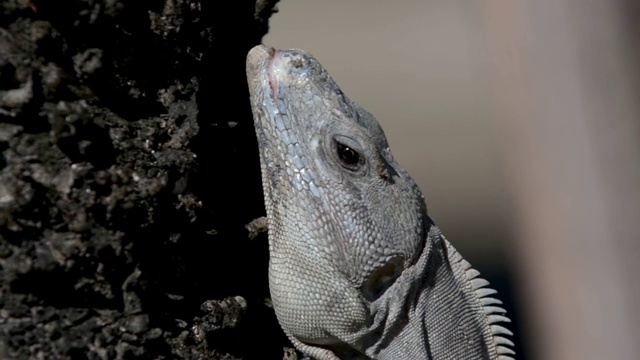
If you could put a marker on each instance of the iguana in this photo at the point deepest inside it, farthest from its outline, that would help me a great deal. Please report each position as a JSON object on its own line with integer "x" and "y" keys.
{"x": 357, "y": 268}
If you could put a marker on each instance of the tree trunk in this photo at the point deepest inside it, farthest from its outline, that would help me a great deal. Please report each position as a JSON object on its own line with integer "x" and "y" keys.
{"x": 129, "y": 170}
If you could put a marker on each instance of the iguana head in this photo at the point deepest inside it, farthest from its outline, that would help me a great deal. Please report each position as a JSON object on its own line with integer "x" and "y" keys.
{"x": 332, "y": 158}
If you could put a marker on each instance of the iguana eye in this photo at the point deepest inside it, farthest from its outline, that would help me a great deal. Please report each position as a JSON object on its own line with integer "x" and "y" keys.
{"x": 347, "y": 155}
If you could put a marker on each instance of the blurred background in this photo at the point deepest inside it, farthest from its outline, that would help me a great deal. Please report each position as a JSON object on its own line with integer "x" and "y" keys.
{"x": 520, "y": 122}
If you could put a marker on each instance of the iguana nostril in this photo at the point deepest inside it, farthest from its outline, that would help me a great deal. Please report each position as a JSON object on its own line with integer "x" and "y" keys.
{"x": 298, "y": 62}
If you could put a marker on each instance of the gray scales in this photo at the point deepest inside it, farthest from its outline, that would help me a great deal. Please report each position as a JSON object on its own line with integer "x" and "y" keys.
{"x": 357, "y": 269}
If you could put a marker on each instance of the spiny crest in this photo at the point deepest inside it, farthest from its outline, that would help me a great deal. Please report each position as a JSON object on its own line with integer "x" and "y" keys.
{"x": 491, "y": 307}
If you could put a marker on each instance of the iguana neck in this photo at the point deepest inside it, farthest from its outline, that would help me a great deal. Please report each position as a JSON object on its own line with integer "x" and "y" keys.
{"x": 450, "y": 312}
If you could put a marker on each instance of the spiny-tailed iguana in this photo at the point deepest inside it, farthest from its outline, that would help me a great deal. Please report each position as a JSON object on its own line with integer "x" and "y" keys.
{"x": 357, "y": 268}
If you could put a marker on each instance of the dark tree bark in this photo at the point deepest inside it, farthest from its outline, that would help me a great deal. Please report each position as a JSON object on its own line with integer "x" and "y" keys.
{"x": 129, "y": 170}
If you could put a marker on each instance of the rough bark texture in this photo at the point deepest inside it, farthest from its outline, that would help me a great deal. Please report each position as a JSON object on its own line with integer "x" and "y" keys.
{"x": 129, "y": 170}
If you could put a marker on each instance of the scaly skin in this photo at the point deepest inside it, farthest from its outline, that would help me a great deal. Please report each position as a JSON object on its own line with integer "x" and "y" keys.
{"x": 357, "y": 268}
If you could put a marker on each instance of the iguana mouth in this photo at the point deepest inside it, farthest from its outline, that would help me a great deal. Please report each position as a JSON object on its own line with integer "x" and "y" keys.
{"x": 269, "y": 68}
{"x": 273, "y": 82}
{"x": 261, "y": 60}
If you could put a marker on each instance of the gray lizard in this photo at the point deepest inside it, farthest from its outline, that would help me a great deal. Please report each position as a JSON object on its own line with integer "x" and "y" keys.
{"x": 357, "y": 268}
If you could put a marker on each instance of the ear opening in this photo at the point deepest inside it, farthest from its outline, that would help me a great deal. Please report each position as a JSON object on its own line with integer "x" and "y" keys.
{"x": 382, "y": 278}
